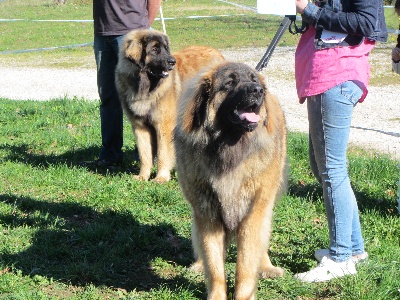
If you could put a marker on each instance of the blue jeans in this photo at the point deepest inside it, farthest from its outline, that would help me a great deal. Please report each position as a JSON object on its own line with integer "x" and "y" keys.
{"x": 329, "y": 116}
{"x": 106, "y": 50}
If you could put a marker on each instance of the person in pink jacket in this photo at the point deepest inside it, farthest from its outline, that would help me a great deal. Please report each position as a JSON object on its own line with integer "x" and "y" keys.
{"x": 332, "y": 74}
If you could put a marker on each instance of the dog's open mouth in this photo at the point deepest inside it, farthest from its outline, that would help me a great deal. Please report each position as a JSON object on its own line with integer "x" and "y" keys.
{"x": 161, "y": 69}
{"x": 247, "y": 117}
{"x": 159, "y": 73}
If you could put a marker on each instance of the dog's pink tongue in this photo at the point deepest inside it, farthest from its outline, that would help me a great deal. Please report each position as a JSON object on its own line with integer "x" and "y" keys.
{"x": 249, "y": 116}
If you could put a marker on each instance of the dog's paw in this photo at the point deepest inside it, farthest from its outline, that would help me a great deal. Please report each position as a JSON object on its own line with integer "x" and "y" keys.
{"x": 272, "y": 272}
{"x": 162, "y": 178}
{"x": 140, "y": 177}
{"x": 197, "y": 267}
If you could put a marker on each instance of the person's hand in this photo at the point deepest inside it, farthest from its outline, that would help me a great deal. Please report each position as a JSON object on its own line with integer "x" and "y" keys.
{"x": 301, "y": 6}
{"x": 396, "y": 54}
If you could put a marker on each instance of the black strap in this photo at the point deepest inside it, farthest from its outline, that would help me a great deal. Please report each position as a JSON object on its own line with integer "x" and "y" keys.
{"x": 281, "y": 30}
{"x": 287, "y": 22}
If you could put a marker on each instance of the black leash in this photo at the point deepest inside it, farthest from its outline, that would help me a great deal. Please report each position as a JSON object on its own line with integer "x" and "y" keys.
{"x": 287, "y": 22}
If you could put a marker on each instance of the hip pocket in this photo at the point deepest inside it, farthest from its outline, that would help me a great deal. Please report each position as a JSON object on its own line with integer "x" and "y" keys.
{"x": 351, "y": 91}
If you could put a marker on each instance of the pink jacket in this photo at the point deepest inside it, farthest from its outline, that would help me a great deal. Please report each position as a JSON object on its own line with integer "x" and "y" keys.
{"x": 320, "y": 70}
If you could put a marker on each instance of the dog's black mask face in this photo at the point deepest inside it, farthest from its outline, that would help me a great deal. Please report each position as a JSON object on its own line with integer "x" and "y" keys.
{"x": 244, "y": 95}
{"x": 158, "y": 60}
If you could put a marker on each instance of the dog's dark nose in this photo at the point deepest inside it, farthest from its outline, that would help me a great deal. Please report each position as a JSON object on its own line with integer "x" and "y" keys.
{"x": 171, "y": 61}
{"x": 256, "y": 89}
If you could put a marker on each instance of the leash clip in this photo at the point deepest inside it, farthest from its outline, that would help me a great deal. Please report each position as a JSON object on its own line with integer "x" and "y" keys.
{"x": 293, "y": 28}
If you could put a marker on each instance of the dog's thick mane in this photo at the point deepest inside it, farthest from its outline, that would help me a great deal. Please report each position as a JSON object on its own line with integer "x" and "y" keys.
{"x": 224, "y": 153}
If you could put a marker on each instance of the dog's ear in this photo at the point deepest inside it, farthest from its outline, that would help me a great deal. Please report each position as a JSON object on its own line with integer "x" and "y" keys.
{"x": 133, "y": 50}
{"x": 201, "y": 99}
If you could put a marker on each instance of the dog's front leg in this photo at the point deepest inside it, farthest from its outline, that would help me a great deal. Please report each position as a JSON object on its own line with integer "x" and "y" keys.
{"x": 253, "y": 239}
{"x": 210, "y": 243}
{"x": 248, "y": 258}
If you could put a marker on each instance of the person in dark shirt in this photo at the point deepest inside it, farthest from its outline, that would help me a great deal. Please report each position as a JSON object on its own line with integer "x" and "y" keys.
{"x": 396, "y": 50}
{"x": 112, "y": 20}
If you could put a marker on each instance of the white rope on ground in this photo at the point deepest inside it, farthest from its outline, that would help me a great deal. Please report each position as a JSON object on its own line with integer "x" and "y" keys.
{"x": 46, "y": 49}
{"x": 240, "y": 5}
{"x": 390, "y": 31}
{"x": 88, "y": 21}
{"x": 91, "y": 43}
{"x": 28, "y": 20}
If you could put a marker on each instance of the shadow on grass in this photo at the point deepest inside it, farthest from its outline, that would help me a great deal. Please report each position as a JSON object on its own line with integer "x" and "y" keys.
{"x": 365, "y": 202}
{"x": 75, "y": 244}
{"x": 23, "y": 154}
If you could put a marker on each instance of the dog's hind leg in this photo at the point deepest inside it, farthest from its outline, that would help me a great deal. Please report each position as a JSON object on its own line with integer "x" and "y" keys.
{"x": 143, "y": 137}
{"x": 267, "y": 269}
{"x": 165, "y": 152}
{"x": 198, "y": 265}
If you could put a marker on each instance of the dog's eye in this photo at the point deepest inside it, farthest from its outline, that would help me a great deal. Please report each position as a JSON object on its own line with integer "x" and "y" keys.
{"x": 230, "y": 82}
{"x": 154, "y": 49}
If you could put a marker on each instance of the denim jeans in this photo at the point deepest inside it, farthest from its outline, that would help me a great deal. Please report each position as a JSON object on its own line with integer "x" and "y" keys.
{"x": 329, "y": 117}
{"x": 106, "y": 50}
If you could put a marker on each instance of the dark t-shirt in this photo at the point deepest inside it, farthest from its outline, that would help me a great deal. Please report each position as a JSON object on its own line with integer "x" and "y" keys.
{"x": 118, "y": 17}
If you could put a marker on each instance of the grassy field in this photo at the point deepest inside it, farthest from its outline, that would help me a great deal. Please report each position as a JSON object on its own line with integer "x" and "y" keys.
{"x": 35, "y": 28}
{"x": 70, "y": 233}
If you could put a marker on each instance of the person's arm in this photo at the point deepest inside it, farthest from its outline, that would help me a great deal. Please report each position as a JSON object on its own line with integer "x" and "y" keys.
{"x": 301, "y": 6}
{"x": 398, "y": 40}
{"x": 361, "y": 21}
{"x": 153, "y": 7}
{"x": 396, "y": 51}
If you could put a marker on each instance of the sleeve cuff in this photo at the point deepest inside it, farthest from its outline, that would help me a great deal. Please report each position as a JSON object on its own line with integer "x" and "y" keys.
{"x": 311, "y": 13}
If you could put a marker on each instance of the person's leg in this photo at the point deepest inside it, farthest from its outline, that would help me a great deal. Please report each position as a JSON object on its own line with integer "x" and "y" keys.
{"x": 329, "y": 121}
{"x": 111, "y": 115}
{"x": 313, "y": 163}
{"x": 357, "y": 254}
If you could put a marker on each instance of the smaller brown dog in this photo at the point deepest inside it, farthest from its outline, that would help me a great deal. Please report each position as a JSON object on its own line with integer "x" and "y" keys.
{"x": 149, "y": 80}
{"x": 230, "y": 140}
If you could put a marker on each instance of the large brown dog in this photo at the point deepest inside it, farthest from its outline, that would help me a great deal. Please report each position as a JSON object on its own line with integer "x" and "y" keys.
{"x": 148, "y": 88}
{"x": 231, "y": 161}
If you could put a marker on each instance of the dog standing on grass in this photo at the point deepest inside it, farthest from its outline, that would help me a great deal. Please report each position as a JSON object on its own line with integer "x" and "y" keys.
{"x": 230, "y": 141}
{"x": 149, "y": 80}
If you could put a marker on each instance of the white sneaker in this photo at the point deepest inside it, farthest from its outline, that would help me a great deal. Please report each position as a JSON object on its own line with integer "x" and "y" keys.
{"x": 320, "y": 253}
{"x": 328, "y": 269}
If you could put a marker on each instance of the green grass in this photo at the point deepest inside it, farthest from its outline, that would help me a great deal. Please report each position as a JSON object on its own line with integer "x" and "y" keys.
{"x": 243, "y": 29}
{"x": 70, "y": 233}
